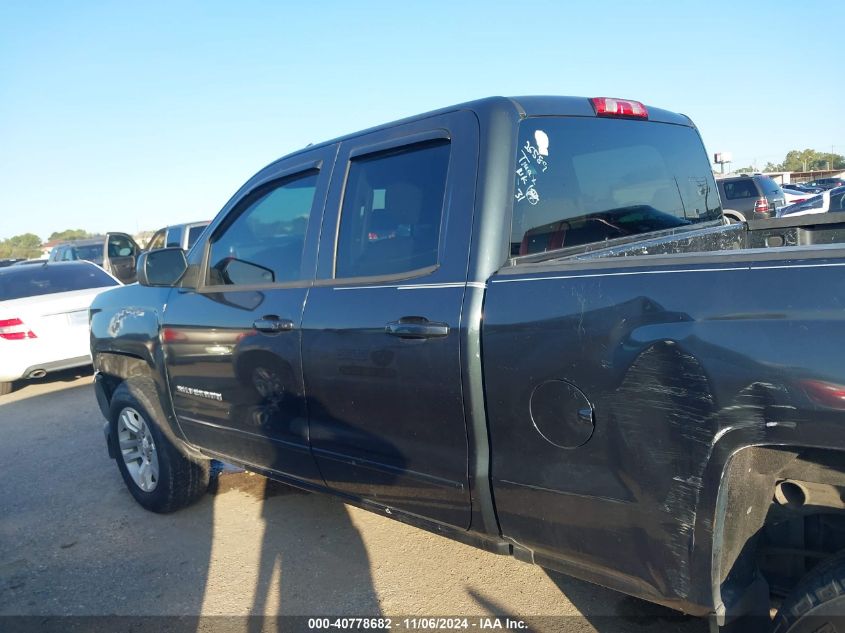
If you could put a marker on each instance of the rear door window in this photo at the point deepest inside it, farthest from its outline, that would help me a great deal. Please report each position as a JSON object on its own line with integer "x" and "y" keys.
{"x": 583, "y": 180}
{"x": 392, "y": 211}
{"x": 737, "y": 189}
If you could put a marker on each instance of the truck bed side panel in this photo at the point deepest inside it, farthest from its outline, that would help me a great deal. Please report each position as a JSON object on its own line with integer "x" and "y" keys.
{"x": 613, "y": 387}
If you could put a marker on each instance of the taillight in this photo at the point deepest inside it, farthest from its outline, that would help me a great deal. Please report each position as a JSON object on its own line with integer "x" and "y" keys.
{"x": 172, "y": 335}
{"x": 827, "y": 394}
{"x": 14, "y": 330}
{"x": 608, "y": 106}
{"x": 761, "y": 206}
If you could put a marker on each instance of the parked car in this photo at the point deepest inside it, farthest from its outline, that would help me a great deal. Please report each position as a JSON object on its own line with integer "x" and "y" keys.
{"x": 8, "y": 261}
{"x": 552, "y": 348}
{"x": 793, "y": 196}
{"x": 803, "y": 187}
{"x": 750, "y": 197}
{"x": 116, "y": 253}
{"x": 179, "y": 235}
{"x": 832, "y": 200}
{"x": 827, "y": 183}
{"x": 44, "y": 318}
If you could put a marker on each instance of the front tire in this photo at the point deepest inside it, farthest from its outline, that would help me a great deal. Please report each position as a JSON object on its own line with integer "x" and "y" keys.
{"x": 159, "y": 476}
{"x": 818, "y": 602}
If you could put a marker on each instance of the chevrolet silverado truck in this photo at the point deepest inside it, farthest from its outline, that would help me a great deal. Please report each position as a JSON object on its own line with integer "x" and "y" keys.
{"x": 522, "y": 324}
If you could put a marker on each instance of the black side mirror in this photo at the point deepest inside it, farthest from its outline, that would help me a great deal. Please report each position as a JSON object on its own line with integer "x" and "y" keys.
{"x": 161, "y": 267}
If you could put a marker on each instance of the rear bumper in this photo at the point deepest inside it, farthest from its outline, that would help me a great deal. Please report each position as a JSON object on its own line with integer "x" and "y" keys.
{"x": 20, "y": 371}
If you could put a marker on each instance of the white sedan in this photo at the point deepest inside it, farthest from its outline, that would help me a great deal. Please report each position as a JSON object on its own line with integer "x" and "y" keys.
{"x": 831, "y": 200}
{"x": 44, "y": 317}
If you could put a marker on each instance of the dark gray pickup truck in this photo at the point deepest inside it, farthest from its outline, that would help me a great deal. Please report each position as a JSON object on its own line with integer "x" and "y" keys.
{"x": 522, "y": 324}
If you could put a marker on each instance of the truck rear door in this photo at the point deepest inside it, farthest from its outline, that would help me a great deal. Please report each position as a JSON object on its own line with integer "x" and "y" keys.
{"x": 381, "y": 344}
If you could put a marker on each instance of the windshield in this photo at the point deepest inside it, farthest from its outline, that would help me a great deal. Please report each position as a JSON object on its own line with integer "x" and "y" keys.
{"x": 587, "y": 180}
{"x": 30, "y": 281}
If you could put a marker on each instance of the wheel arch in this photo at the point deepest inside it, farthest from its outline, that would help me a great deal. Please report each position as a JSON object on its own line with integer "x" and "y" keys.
{"x": 114, "y": 369}
{"x": 751, "y": 502}
{"x": 733, "y": 215}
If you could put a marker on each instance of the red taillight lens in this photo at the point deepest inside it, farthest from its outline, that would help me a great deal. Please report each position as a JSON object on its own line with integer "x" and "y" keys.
{"x": 827, "y": 394}
{"x": 608, "y": 106}
{"x": 761, "y": 206}
{"x": 14, "y": 330}
{"x": 172, "y": 335}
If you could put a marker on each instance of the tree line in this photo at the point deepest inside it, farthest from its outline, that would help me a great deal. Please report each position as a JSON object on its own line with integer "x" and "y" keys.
{"x": 803, "y": 160}
{"x": 28, "y": 245}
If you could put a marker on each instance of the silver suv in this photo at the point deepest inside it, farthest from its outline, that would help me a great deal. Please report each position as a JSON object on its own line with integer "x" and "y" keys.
{"x": 750, "y": 197}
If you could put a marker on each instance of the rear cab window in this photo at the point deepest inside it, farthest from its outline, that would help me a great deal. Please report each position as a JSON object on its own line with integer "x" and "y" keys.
{"x": 582, "y": 180}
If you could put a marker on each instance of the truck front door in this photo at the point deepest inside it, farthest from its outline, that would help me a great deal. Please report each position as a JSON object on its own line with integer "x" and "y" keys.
{"x": 381, "y": 331}
{"x": 232, "y": 344}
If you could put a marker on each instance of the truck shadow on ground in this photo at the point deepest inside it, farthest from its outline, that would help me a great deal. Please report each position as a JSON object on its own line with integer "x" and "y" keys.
{"x": 605, "y": 610}
{"x": 77, "y": 550}
{"x": 311, "y": 559}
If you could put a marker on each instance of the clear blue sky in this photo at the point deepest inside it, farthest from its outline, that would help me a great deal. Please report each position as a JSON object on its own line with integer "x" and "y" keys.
{"x": 129, "y": 116}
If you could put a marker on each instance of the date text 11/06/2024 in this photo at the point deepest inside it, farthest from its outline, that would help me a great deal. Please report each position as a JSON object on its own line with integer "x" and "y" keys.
{"x": 432, "y": 623}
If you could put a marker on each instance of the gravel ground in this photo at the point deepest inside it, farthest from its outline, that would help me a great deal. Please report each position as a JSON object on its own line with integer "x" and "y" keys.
{"x": 74, "y": 543}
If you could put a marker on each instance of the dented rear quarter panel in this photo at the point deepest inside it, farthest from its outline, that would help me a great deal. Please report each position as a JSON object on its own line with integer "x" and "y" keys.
{"x": 684, "y": 363}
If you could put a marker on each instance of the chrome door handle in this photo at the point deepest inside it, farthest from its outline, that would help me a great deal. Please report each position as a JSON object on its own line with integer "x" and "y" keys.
{"x": 416, "y": 327}
{"x": 271, "y": 324}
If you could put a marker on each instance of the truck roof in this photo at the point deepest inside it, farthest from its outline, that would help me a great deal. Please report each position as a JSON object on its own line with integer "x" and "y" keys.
{"x": 526, "y": 106}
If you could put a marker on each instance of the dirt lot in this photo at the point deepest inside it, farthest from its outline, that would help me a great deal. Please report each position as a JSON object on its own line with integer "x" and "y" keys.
{"x": 74, "y": 543}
